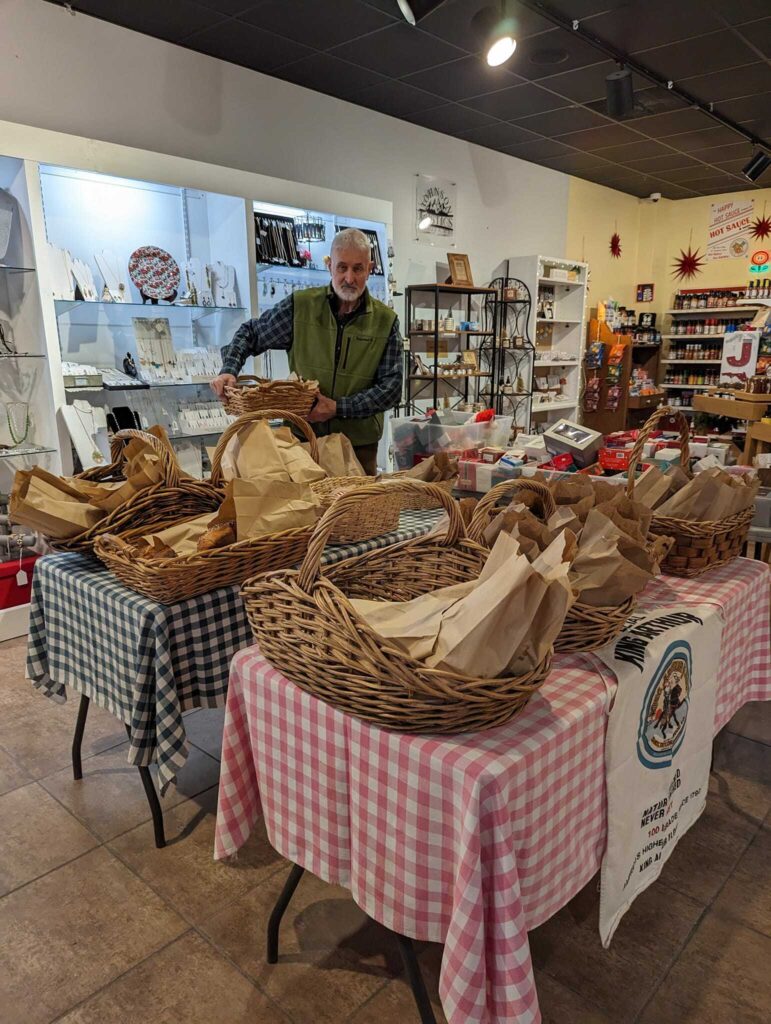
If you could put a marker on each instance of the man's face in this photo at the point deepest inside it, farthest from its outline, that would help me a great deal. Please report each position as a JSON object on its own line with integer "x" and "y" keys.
{"x": 350, "y": 270}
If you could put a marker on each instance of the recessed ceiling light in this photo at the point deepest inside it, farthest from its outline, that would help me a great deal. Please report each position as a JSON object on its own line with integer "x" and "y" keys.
{"x": 547, "y": 57}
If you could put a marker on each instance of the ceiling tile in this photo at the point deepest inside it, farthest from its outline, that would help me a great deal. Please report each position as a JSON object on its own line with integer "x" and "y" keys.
{"x": 726, "y": 85}
{"x": 597, "y": 138}
{"x": 577, "y": 163}
{"x": 397, "y": 51}
{"x": 452, "y": 22}
{"x": 582, "y": 85}
{"x": 736, "y": 11}
{"x": 758, "y": 35}
{"x": 396, "y": 99}
{"x": 584, "y": 8}
{"x": 689, "y": 142}
{"x": 673, "y": 123}
{"x": 679, "y": 175}
{"x": 654, "y": 164}
{"x": 663, "y": 22}
{"x": 670, "y": 191}
{"x": 227, "y": 7}
{"x": 461, "y": 79}
{"x": 451, "y": 118}
{"x": 173, "y": 22}
{"x": 702, "y": 54}
{"x": 538, "y": 149}
{"x": 239, "y": 43}
{"x": 495, "y": 136}
{"x": 552, "y": 52}
{"x": 517, "y": 102}
{"x": 317, "y": 23}
{"x": 567, "y": 119}
{"x": 330, "y": 75}
{"x": 715, "y": 184}
{"x": 647, "y": 102}
{"x": 748, "y": 107}
{"x": 631, "y": 150}
{"x": 736, "y": 151}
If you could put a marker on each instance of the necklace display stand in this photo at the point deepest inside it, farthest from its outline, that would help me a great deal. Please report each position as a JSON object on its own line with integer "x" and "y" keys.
{"x": 87, "y": 426}
{"x": 114, "y": 280}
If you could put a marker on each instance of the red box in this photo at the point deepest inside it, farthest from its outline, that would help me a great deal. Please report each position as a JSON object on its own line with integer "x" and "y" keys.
{"x": 11, "y": 594}
{"x": 616, "y": 459}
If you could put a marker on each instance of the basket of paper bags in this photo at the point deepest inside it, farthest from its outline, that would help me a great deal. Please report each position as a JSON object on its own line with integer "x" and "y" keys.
{"x": 142, "y": 487}
{"x": 434, "y": 635}
{"x": 612, "y": 559}
{"x": 707, "y": 514}
{"x": 440, "y": 469}
{"x": 263, "y": 521}
{"x": 255, "y": 394}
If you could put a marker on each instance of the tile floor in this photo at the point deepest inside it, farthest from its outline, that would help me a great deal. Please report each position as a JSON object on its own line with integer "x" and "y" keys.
{"x": 99, "y": 927}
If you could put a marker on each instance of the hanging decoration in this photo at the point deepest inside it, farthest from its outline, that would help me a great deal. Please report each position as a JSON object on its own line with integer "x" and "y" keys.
{"x": 615, "y": 245}
{"x": 688, "y": 264}
{"x": 761, "y": 226}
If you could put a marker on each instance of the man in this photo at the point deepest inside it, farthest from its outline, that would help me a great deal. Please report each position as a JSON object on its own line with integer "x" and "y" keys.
{"x": 339, "y": 336}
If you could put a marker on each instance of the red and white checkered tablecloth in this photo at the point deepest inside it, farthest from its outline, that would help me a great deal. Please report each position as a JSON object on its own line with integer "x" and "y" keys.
{"x": 467, "y": 840}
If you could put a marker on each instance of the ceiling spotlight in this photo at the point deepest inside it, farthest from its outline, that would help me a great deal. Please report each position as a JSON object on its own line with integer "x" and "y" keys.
{"x": 758, "y": 164}
{"x": 425, "y": 222}
{"x": 619, "y": 94}
{"x": 415, "y": 10}
{"x": 496, "y": 33}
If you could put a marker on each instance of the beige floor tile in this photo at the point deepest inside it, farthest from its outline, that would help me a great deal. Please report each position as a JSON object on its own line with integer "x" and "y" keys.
{"x": 12, "y": 775}
{"x": 746, "y": 895}
{"x": 753, "y": 721}
{"x": 560, "y": 1005}
{"x": 37, "y": 835}
{"x": 722, "y": 977}
{"x": 204, "y": 729}
{"x": 332, "y": 958}
{"x": 66, "y": 935}
{"x": 185, "y": 872}
{"x": 110, "y": 798}
{"x": 40, "y": 738}
{"x": 188, "y": 982}
{"x": 616, "y": 980}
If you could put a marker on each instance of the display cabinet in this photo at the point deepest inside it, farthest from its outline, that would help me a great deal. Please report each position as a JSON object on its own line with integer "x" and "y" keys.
{"x": 508, "y": 310}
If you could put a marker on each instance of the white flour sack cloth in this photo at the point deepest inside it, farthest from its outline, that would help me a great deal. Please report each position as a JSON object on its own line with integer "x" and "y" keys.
{"x": 658, "y": 745}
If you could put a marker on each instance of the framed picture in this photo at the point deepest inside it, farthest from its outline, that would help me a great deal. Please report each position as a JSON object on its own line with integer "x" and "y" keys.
{"x": 460, "y": 269}
{"x": 647, "y": 320}
{"x": 645, "y": 293}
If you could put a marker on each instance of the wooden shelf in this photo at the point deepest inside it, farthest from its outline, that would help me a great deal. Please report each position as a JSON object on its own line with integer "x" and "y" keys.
{"x": 716, "y": 311}
{"x": 732, "y": 407}
{"x": 692, "y": 337}
{"x": 460, "y": 289}
{"x": 644, "y": 401}
{"x": 548, "y": 406}
{"x": 690, "y": 362}
{"x": 447, "y": 376}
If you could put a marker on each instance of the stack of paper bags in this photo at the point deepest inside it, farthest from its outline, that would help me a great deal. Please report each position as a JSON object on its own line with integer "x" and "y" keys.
{"x": 337, "y": 457}
{"x": 502, "y": 623}
{"x": 433, "y": 470}
{"x": 64, "y": 507}
{"x": 258, "y": 452}
{"x": 710, "y": 496}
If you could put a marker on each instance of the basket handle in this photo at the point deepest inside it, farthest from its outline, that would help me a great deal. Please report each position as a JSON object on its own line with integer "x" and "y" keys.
{"x": 347, "y": 503}
{"x": 650, "y": 424}
{"x": 481, "y": 517}
{"x": 253, "y": 417}
{"x": 165, "y": 453}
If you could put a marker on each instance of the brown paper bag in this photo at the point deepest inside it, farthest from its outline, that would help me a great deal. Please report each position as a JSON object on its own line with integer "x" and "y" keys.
{"x": 184, "y": 536}
{"x": 652, "y": 487}
{"x": 337, "y": 457}
{"x": 253, "y": 454}
{"x": 50, "y": 505}
{"x": 268, "y": 506}
{"x": 297, "y": 462}
{"x": 600, "y": 573}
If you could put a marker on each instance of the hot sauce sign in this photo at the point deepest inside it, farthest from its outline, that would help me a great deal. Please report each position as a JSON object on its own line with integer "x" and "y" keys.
{"x": 728, "y": 234}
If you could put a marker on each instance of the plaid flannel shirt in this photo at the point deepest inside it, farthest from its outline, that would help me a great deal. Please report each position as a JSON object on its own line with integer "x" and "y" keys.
{"x": 274, "y": 329}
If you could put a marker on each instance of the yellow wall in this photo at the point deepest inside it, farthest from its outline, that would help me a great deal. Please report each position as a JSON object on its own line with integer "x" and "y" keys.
{"x": 652, "y": 235}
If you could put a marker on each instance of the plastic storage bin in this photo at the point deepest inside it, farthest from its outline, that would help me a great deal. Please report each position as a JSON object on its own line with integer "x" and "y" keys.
{"x": 413, "y": 441}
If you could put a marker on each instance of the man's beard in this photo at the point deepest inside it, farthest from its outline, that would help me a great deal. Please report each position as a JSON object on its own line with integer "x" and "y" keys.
{"x": 347, "y": 294}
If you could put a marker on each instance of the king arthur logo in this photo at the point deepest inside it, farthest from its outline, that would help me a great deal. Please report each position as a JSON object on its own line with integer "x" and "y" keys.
{"x": 633, "y": 642}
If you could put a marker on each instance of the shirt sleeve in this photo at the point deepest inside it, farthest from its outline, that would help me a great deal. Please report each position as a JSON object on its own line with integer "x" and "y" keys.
{"x": 386, "y": 390}
{"x": 274, "y": 329}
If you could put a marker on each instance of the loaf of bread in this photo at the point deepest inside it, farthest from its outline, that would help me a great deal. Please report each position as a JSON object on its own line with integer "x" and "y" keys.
{"x": 217, "y": 536}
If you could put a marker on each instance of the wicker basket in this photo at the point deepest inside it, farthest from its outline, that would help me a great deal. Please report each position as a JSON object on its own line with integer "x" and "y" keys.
{"x": 422, "y": 500}
{"x": 176, "y": 579}
{"x": 586, "y": 627}
{"x": 255, "y": 394}
{"x": 698, "y": 546}
{"x": 369, "y": 519}
{"x": 306, "y": 627}
{"x": 153, "y": 508}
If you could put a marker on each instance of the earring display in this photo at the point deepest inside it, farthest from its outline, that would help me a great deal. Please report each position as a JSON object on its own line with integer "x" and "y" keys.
{"x": 310, "y": 229}
{"x": 275, "y": 240}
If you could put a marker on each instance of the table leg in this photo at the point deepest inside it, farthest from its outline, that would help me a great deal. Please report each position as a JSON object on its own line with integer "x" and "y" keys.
{"x": 153, "y": 801}
{"x": 415, "y": 978}
{"x": 280, "y": 909}
{"x": 77, "y": 739}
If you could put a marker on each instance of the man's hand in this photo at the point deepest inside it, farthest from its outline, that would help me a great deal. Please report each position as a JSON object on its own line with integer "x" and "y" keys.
{"x": 324, "y": 409}
{"x": 218, "y": 385}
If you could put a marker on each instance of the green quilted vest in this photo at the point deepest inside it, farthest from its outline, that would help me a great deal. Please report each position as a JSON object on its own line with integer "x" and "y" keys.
{"x": 343, "y": 360}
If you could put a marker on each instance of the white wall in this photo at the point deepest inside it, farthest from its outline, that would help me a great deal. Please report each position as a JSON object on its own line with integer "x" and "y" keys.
{"x": 77, "y": 75}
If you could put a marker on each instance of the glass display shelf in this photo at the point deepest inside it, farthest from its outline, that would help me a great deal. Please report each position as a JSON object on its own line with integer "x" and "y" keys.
{"x": 65, "y": 307}
{"x": 557, "y": 362}
{"x": 139, "y": 387}
{"x": 563, "y": 284}
{"x": 16, "y": 270}
{"x": 196, "y": 433}
{"x": 556, "y": 320}
{"x": 23, "y": 449}
{"x": 546, "y": 406}
{"x": 22, "y": 355}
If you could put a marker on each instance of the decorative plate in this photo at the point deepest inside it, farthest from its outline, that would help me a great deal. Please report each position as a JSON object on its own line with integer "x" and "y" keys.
{"x": 154, "y": 271}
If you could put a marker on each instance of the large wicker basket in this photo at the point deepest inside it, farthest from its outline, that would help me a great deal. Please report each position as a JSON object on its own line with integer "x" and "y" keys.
{"x": 306, "y": 627}
{"x": 172, "y": 580}
{"x": 369, "y": 519}
{"x": 422, "y": 500}
{"x": 698, "y": 546}
{"x": 586, "y": 627}
{"x": 153, "y": 508}
{"x": 255, "y": 394}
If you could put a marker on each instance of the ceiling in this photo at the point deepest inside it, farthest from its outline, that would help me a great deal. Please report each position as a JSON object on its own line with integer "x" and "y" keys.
{"x": 546, "y": 105}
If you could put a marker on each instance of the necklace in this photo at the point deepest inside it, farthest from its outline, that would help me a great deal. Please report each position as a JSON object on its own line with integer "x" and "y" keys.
{"x": 18, "y": 435}
{"x": 89, "y": 425}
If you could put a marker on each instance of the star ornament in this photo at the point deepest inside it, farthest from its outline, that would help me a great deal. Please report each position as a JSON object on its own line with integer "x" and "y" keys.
{"x": 615, "y": 245}
{"x": 761, "y": 228}
{"x": 688, "y": 264}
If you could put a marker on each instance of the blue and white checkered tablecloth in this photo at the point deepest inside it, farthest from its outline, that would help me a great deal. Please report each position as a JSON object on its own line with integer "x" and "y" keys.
{"x": 143, "y": 661}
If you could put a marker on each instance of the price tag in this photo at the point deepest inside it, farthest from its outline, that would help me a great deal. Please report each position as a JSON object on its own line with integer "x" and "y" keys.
{"x": 22, "y": 579}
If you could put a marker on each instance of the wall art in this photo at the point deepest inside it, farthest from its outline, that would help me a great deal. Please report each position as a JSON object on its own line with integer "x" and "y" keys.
{"x": 435, "y": 209}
